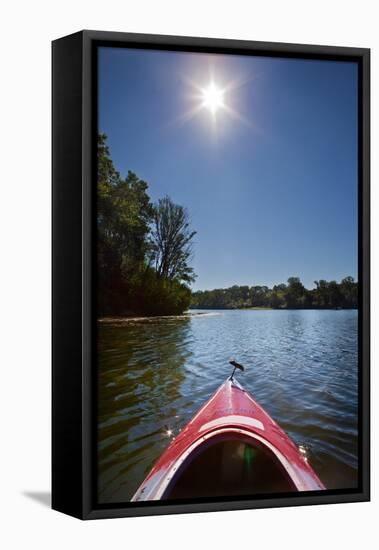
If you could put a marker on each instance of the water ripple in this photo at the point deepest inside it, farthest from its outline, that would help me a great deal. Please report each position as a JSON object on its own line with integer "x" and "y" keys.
{"x": 155, "y": 374}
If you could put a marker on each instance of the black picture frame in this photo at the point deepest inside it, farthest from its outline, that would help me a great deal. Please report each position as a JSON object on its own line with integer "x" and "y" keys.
{"x": 74, "y": 276}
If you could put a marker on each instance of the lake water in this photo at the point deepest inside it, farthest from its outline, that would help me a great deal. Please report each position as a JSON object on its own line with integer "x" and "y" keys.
{"x": 301, "y": 366}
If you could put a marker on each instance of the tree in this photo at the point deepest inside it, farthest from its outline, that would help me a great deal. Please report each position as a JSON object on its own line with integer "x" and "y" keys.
{"x": 295, "y": 293}
{"x": 349, "y": 291}
{"x": 259, "y": 296}
{"x": 131, "y": 236}
{"x": 171, "y": 242}
{"x": 334, "y": 292}
{"x": 321, "y": 293}
{"x": 124, "y": 214}
{"x": 277, "y": 296}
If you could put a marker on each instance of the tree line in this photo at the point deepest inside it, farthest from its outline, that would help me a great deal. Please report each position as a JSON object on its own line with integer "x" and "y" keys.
{"x": 293, "y": 295}
{"x": 143, "y": 249}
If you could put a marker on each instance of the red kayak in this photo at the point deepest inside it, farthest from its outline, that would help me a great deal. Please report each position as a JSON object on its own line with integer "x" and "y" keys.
{"x": 230, "y": 447}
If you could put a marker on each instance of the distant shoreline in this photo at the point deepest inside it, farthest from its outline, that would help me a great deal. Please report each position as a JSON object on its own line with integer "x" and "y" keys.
{"x": 290, "y": 295}
{"x": 129, "y": 318}
{"x": 272, "y": 308}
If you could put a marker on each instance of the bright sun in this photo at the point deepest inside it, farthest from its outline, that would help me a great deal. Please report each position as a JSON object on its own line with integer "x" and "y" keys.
{"x": 213, "y": 98}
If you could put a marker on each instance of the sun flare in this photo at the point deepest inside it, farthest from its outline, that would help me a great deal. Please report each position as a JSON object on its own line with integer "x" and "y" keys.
{"x": 213, "y": 98}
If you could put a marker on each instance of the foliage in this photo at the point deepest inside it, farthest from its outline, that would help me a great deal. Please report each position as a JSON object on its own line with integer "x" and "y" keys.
{"x": 292, "y": 295}
{"x": 127, "y": 247}
{"x": 156, "y": 295}
{"x": 144, "y": 254}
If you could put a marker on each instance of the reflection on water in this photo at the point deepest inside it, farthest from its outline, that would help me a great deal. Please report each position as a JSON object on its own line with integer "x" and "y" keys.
{"x": 154, "y": 375}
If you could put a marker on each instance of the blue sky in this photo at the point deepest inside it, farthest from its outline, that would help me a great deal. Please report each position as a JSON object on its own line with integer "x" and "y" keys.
{"x": 271, "y": 189}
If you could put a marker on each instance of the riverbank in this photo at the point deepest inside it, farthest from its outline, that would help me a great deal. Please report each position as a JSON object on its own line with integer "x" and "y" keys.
{"x": 275, "y": 308}
{"x": 135, "y": 318}
{"x": 130, "y": 318}
{"x": 253, "y": 308}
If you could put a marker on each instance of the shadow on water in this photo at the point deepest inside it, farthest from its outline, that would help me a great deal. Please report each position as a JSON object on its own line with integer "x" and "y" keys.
{"x": 140, "y": 370}
{"x": 155, "y": 374}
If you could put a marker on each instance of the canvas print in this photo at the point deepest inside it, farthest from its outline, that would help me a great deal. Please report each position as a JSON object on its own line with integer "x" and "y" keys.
{"x": 227, "y": 276}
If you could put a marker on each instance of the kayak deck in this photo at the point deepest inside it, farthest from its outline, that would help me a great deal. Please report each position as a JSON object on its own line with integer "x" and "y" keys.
{"x": 230, "y": 447}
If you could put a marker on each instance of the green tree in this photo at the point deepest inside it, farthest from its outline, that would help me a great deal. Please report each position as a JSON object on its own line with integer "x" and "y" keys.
{"x": 259, "y": 296}
{"x": 334, "y": 293}
{"x": 321, "y": 293}
{"x": 349, "y": 291}
{"x": 295, "y": 293}
{"x": 127, "y": 247}
{"x": 124, "y": 214}
{"x": 277, "y": 296}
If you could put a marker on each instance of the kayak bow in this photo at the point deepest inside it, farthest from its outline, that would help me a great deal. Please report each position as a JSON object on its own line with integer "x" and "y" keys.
{"x": 230, "y": 447}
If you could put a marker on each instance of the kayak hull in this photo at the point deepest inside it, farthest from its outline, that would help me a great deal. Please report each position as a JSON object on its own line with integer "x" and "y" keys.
{"x": 231, "y": 414}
